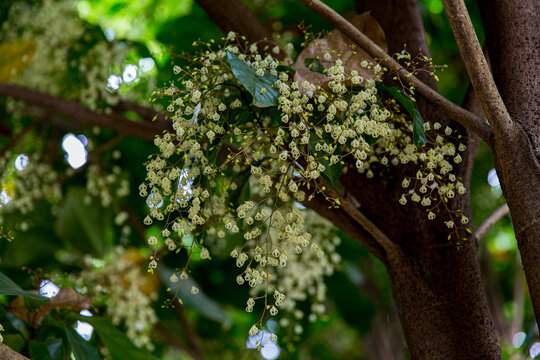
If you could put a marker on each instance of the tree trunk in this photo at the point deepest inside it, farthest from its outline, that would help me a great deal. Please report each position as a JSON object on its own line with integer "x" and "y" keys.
{"x": 437, "y": 285}
{"x": 442, "y": 306}
{"x": 513, "y": 43}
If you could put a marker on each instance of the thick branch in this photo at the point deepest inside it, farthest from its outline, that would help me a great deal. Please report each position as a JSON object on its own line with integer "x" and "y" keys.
{"x": 477, "y": 66}
{"x": 491, "y": 220}
{"x": 342, "y": 220}
{"x": 447, "y": 107}
{"x": 8, "y": 353}
{"x": 234, "y": 15}
{"x": 369, "y": 226}
{"x": 84, "y": 116}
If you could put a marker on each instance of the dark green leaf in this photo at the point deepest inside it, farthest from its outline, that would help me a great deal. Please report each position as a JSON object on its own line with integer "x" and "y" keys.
{"x": 81, "y": 224}
{"x": 8, "y": 287}
{"x": 260, "y": 87}
{"x": 118, "y": 344}
{"x": 314, "y": 65}
{"x": 52, "y": 349}
{"x": 354, "y": 307}
{"x": 200, "y": 302}
{"x": 285, "y": 68}
{"x": 331, "y": 173}
{"x": 80, "y": 347}
{"x": 419, "y": 136}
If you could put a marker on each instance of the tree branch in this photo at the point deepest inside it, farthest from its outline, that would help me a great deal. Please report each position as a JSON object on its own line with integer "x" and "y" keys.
{"x": 491, "y": 220}
{"x": 477, "y": 66}
{"x": 391, "y": 249}
{"x": 8, "y": 353}
{"x": 84, "y": 116}
{"x": 234, "y": 15}
{"x": 191, "y": 335}
{"x": 342, "y": 220}
{"x": 447, "y": 107}
{"x": 144, "y": 112}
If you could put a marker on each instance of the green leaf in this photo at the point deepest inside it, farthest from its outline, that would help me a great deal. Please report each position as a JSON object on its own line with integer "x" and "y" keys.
{"x": 331, "y": 173}
{"x": 40, "y": 239}
{"x": 354, "y": 307}
{"x": 286, "y": 68}
{"x": 188, "y": 240}
{"x": 80, "y": 347}
{"x": 260, "y": 87}
{"x": 8, "y": 287}
{"x": 51, "y": 349}
{"x": 200, "y": 302}
{"x": 419, "y": 136}
{"x": 314, "y": 65}
{"x": 81, "y": 224}
{"x": 118, "y": 344}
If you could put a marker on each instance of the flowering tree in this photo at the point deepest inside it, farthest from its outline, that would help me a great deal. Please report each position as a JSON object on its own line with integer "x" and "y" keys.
{"x": 261, "y": 154}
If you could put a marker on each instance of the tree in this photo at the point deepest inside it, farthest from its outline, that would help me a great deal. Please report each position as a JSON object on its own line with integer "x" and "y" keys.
{"x": 432, "y": 264}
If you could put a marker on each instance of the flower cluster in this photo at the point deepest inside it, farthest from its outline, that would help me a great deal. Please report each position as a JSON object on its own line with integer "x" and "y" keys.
{"x": 26, "y": 179}
{"x": 121, "y": 283}
{"x": 230, "y": 170}
{"x": 63, "y": 55}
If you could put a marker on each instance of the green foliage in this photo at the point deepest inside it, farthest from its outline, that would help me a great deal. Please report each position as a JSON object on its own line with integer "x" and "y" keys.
{"x": 84, "y": 225}
{"x": 260, "y": 87}
{"x": 419, "y": 135}
{"x": 81, "y": 349}
{"x": 8, "y": 287}
{"x": 119, "y": 346}
{"x": 65, "y": 235}
{"x": 51, "y": 349}
{"x": 206, "y": 306}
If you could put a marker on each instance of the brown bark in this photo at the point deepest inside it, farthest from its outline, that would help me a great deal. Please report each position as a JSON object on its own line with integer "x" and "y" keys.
{"x": 437, "y": 286}
{"x": 85, "y": 117}
{"x": 513, "y": 43}
{"x": 234, "y": 15}
{"x": 446, "y": 107}
{"x": 7, "y": 353}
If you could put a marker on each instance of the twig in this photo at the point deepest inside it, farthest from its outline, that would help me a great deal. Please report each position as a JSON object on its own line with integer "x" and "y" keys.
{"x": 193, "y": 341}
{"x": 193, "y": 348}
{"x": 144, "y": 112}
{"x": 94, "y": 155}
{"x": 53, "y": 144}
{"x": 477, "y": 66}
{"x": 491, "y": 220}
{"x": 137, "y": 223}
{"x": 23, "y": 133}
{"x": 165, "y": 334}
{"x": 447, "y": 107}
{"x": 386, "y": 243}
{"x": 342, "y": 220}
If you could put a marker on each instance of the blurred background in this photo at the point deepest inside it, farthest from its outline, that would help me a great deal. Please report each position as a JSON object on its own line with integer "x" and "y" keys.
{"x": 85, "y": 229}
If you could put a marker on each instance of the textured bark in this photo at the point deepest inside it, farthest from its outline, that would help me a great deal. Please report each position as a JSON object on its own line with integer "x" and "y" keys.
{"x": 7, "y": 353}
{"x": 234, "y": 15}
{"x": 437, "y": 285}
{"x": 513, "y": 43}
{"x": 455, "y": 112}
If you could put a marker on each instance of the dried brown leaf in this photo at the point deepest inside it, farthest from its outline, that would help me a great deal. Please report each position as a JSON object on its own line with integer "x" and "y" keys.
{"x": 341, "y": 47}
{"x": 18, "y": 308}
{"x": 66, "y": 298}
